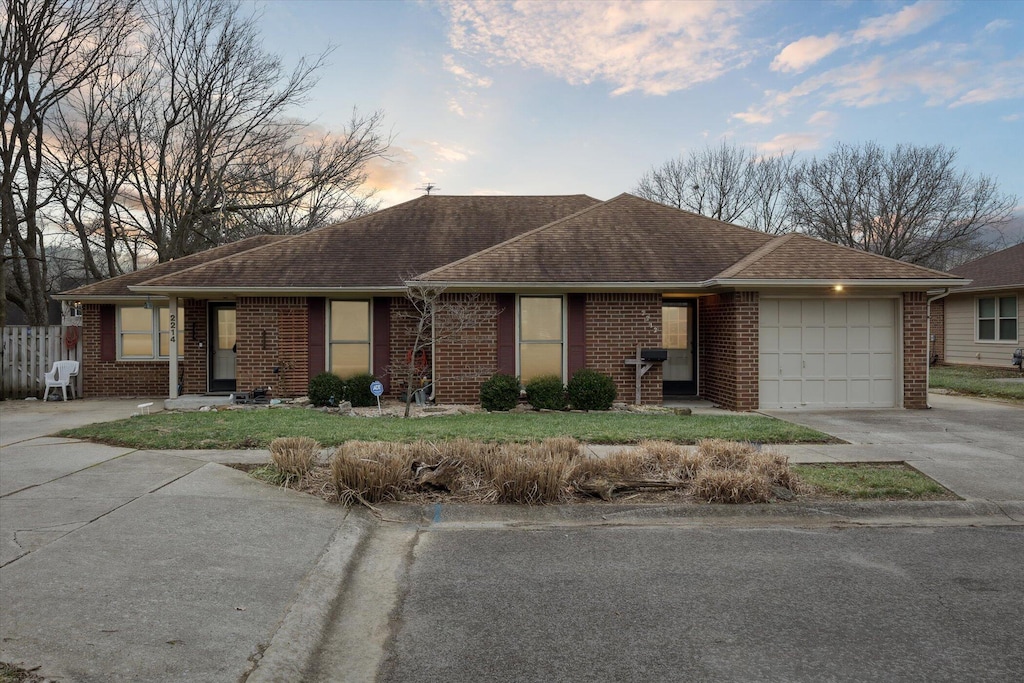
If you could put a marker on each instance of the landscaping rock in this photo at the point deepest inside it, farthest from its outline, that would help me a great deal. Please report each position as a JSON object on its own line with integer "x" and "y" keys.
{"x": 301, "y": 401}
{"x": 782, "y": 493}
{"x": 682, "y": 411}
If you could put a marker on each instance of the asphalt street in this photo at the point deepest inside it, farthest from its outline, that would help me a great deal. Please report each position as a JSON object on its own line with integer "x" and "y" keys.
{"x": 736, "y": 604}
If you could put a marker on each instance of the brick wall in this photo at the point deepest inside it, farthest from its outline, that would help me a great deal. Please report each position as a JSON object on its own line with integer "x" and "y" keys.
{"x": 728, "y": 348}
{"x": 193, "y": 334}
{"x": 404, "y": 320}
{"x": 937, "y": 327}
{"x": 616, "y": 324}
{"x": 272, "y": 332}
{"x": 915, "y": 350}
{"x": 116, "y": 378}
{"x": 463, "y": 361}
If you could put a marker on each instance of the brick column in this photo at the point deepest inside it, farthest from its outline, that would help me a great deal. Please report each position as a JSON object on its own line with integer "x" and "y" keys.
{"x": 729, "y": 345}
{"x": 937, "y": 327}
{"x": 915, "y": 350}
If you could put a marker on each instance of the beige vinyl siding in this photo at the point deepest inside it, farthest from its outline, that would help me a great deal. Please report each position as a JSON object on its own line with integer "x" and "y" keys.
{"x": 961, "y": 331}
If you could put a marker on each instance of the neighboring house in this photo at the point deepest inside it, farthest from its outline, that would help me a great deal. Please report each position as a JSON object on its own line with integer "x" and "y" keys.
{"x": 980, "y": 324}
{"x": 749, "y": 320}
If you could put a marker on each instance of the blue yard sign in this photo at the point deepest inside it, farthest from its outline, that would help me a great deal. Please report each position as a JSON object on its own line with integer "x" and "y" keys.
{"x": 376, "y": 388}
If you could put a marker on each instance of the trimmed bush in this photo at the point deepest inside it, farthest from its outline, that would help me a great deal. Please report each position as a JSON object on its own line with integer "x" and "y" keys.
{"x": 591, "y": 390}
{"x": 546, "y": 392}
{"x": 499, "y": 392}
{"x": 326, "y": 389}
{"x": 358, "y": 390}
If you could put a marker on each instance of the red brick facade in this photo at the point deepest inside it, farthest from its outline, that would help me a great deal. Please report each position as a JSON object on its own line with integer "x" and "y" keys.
{"x": 728, "y": 349}
{"x": 273, "y": 332}
{"x": 106, "y": 378}
{"x": 915, "y": 350}
{"x": 937, "y": 329}
{"x": 463, "y": 361}
{"x": 616, "y": 324}
{"x": 404, "y": 320}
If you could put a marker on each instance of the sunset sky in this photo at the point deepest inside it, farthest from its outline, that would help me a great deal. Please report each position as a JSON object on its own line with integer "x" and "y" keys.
{"x": 543, "y": 97}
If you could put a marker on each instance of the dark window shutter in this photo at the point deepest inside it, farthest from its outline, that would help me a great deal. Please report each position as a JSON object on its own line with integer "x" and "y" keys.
{"x": 506, "y": 333}
{"x": 382, "y": 339}
{"x": 577, "y": 332}
{"x": 317, "y": 336}
{"x": 108, "y": 332}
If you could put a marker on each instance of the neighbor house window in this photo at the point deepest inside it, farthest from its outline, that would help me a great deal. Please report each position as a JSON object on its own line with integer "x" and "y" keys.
{"x": 145, "y": 333}
{"x": 997, "y": 318}
{"x": 540, "y": 336}
{"x": 350, "y": 338}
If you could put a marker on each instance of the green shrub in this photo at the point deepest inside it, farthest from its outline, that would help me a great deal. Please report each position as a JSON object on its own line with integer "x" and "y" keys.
{"x": 326, "y": 389}
{"x": 358, "y": 390}
{"x": 546, "y": 392}
{"x": 499, "y": 392}
{"x": 591, "y": 390}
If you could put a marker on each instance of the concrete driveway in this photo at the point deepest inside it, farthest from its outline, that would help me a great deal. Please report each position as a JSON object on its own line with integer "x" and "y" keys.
{"x": 118, "y": 564}
{"x": 974, "y": 447}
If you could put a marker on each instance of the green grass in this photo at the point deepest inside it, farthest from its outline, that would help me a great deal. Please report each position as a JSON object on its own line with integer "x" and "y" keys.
{"x": 869, "y": 481}
{"x": 977, "y": 381}
{"x": 257, "y": 428}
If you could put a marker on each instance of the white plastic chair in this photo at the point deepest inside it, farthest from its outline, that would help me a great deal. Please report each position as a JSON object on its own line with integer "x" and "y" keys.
{"x": 62, "y": 375}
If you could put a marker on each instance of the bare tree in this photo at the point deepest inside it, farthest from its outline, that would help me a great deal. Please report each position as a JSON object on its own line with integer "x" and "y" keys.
{"x": 434, "y": 316}
{"x": 50, "y": 48}
{"x": 908, "y": 203}
{"x": 727, "y": 183}
{"x": 214, "y": 150}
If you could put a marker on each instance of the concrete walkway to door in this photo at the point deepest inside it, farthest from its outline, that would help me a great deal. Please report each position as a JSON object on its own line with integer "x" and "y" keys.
{"x": 973, "y": 447}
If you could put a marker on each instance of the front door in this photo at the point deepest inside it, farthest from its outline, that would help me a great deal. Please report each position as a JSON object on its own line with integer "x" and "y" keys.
{"x": 222, "y": 347}
{"x": 679, "y": 338}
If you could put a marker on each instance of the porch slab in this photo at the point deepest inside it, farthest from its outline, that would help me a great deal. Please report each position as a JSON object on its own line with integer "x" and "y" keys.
{"x": 195, "y": 402}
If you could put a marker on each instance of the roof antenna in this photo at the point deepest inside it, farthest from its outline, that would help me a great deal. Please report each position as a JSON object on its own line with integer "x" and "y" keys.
{"x": 428, "y": 187}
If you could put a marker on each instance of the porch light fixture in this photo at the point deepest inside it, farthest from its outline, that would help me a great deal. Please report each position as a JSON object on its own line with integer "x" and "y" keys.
{"x": 838, "y": 288}
{"x": 149, "y": 304}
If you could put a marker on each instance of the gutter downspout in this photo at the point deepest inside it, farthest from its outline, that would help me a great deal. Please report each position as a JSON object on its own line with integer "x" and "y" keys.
{"x": 928, "y": 366}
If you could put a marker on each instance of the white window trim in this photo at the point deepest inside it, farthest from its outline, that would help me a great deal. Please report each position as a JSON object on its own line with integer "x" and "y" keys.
{"x": 565, "y": 328}
{"x": 997, "y": 318}
{"x": 329, "y": 344}
{"x": 154, "y": 333}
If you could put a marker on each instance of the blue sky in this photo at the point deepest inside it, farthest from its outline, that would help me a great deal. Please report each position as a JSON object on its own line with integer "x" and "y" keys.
{"x": 538, "y": 97}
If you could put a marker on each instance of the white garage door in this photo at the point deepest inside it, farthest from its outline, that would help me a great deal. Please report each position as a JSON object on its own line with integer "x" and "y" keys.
{"x": 828, "y": 353}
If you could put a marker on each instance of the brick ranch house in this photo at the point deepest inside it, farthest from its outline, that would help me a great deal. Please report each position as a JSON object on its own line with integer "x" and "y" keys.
{"x": 748, "y": 320}
{"x": 981, "y": 324}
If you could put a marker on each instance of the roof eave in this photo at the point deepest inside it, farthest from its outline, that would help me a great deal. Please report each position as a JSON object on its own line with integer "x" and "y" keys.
{"x": 905, "y": 283}
{"x": 204, "y": 292}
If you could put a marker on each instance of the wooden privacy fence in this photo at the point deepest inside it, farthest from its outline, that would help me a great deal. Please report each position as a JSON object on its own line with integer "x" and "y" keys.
{"x": 29, "y": 352}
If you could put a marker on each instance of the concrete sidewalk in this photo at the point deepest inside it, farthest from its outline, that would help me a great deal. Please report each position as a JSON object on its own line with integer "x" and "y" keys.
{"x": 120, "y": 565}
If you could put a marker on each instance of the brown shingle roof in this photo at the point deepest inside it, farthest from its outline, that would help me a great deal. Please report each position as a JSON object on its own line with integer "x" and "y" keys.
{"x": 118, "y": 286}
{"x": 1002, "y": 269}
{"x": 383, "y": 248}
{"x": 796, "y": 256}
{"x": 626, "y": 239}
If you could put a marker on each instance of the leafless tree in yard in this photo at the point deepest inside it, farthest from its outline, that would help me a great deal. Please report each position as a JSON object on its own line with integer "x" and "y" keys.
{"x": 50, "y": 48}
{"x": 435, "y": 316}
{"x": 727, "y": 183}
{"x": 216, "y": 154}
{"x": 909, "y": 203}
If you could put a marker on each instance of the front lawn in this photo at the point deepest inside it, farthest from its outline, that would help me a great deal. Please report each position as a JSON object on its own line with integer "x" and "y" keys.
{"x": 257, "y": 428}
{"x": 973, "y": 380}
{"x": 868, "y": 481}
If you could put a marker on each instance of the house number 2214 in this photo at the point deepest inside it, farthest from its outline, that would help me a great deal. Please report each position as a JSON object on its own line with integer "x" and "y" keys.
{"x": 174, "y": 328}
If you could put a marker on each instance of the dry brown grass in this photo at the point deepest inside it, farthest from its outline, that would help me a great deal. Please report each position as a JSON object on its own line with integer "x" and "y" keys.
{"x": 370, "y": 472}
{"x": 549, "y": 471}
{"x": 294, "y": 456}
{"x": 731, "y": 486}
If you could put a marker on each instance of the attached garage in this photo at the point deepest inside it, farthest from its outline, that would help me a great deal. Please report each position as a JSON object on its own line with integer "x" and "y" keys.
{"x": 828, "y": 353}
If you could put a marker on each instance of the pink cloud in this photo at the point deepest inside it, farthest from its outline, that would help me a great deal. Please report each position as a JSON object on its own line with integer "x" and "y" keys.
{"x": 802, "y": 53}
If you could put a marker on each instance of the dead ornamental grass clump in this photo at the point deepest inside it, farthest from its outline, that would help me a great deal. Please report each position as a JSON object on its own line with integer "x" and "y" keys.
{"x": 554, "y": 470}
{"x": 534, "y": 473}
{"x": 294, "y": 456}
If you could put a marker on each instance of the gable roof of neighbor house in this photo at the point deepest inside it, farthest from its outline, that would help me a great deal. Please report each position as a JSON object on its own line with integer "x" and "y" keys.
{"x": 1001, "y": 270}
{"x": 629, "y": 240}
{"x": 382, "y": 249}
{"x": 117, "y": 287}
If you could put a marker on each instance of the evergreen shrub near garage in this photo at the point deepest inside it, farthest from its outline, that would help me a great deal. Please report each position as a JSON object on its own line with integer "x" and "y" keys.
{"x": 358, "y": 390}
{"x": 499, "y": 392}
{"x": 591, "y": 390}
{"x": 546, "y": 392}
{"x": 326, "y": 389}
